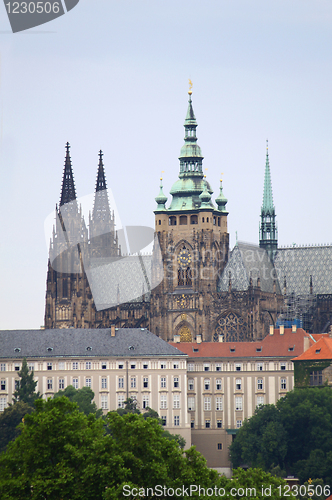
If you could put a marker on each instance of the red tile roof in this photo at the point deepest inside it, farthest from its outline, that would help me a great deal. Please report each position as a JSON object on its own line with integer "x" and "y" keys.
{"x": 275, "y": 345}
{"x": 321, "y": 350}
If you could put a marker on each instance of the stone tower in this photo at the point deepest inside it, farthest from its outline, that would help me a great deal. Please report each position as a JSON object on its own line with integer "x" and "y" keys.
{"x": 194, "y": 242}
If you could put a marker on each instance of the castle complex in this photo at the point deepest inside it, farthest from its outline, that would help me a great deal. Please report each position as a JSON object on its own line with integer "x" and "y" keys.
{"x": 207, "y": 293}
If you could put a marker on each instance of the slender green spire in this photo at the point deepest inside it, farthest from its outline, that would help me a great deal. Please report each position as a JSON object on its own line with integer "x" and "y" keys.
{"x": 161, "y": 198}
{"x": 267, "y": 195}
{"x": 221, "y": 201}
{"x": 268, "y": 237}
{"x": 191, "y": 155}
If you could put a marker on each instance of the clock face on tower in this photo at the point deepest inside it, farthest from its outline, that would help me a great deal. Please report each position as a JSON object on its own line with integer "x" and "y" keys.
{"x": 184, "y": 258}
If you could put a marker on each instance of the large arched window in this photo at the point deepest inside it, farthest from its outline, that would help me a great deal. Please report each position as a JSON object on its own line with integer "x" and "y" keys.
{"x": 232, "y": 327}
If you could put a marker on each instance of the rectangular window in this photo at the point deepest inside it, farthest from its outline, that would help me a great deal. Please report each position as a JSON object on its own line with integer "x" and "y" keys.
{"x": 206, "y": 367}
{"x": 260, "y": 400}
{"x": 283, "y": 384}
{"x": 88, "y": 365}
{"x": 219, "y": 446}
{"x": 104, "y": 383}
{"x": 218, "y": 384}
{"x": 2, "y": 367}
{"x": 61, "y": 365}
{"x": 163, "y": 420}
{"x": 49, "y": 365}
{"x": 49, "y": 384}
{"x": 75, "y": 365}
{"x": 163, "y": 382}
{"x": 190, "y": 367}
{"x": 163, "y": 366}
{"x": 238, "y": 424}
{"x": 133, "y": 366}
{"x": 133, "y": 382}
{"x": 104, "y": 402}
{"x": 238, "y": 367}
{"x": 207, "y": 404}
{"x": 219, "y": 405}
{"x": 207, "y": 424}
{"x": 218, "y": 367}
{"x": 17, "y": 385}
{"x": 190, "y": 384}
{"x": 259, "y": 384}
{"x": 61, "y": 384}
{"x": 176, "y": 366}
{"x": 238, "y": 403}
{"x": 238, "y": 384}
{"x": 163, "y": 402}
{"x": 3, "y": 403}
{"x": 121, "y": 382}
{"x": 31, "y": 367}
{"x": 3, "y": 385}
{"x": 282, "y": 366}
{"x": 260, "y": 367}
{"x": 17, "y": 367}
{"x": 75, "y": 383}
{"x": 207, "y": 384}
{"x": 176, "y": 401}
{"x": 316, "y": 378}
{"x": 191, "y": 404}
{"x": 145, "y": 366}
{"x": 145, "y": 382}
{"x": 192, "y": 424}
{"x": 120, "y": 366}
{"x": 145, "y": 401}
{"x": 88, "y": 382}
{"x": 121, "y": 400}
{"x": 219, "y": 424}
{"x": 176, "y": 421}
{"x": 176, "y": 381}
{"x": 103, "y": 365}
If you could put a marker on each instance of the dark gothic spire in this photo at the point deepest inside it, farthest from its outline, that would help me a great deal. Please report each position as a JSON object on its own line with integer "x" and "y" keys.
{"x": 268, "y": 237}
{"x": 68, "y": 192}
{"x": 101, "y": 208}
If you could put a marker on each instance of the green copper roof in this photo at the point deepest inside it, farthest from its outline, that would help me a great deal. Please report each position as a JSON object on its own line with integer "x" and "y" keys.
{"x": 221, "y": 200}
{"x": 267, "y": 196}
{"x": 161, "y": 198}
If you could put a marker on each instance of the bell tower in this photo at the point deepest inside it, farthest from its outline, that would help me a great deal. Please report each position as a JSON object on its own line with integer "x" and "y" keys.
{"x": 194, "y": 243}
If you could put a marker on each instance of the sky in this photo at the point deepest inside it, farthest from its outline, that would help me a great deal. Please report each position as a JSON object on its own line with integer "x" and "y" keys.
{"x": 113, "y": 75}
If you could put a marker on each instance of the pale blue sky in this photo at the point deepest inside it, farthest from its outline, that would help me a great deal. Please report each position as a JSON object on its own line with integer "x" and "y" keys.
{"x": 114, "y": 75}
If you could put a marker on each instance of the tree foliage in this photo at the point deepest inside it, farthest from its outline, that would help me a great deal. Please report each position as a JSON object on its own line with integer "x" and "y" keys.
{"x": 83, "y": 397}
{"x": 26, "y": 386}
{"x": 294, "y": 435}
{"x": 62, "y": 453}
{"x": 10, "y": 418}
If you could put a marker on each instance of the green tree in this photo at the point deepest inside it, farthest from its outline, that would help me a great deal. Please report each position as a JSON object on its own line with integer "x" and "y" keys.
{"x": 83, "y": 397}
{"x": 10, "y": 418}
{"x": 26, "y": 386}
{"x": 295, "y": 435}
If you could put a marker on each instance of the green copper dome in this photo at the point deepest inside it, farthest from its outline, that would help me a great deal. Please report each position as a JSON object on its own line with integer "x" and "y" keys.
{"x": 187, "y": 189}
{"x": 221, "y": 200}
{"x": 161, "y": 198}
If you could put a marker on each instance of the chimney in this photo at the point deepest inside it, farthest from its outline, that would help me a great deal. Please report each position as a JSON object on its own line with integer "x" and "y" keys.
{"x": 282, "y": 329}
{"x": 294, "y": 328}
{"x": 306, "y": 343}
{"x": 221, "y": 338}
{"x": 176, "y": 339}
{"x": 199, "y": 339}
{"x": 271, "y": 329}
{"x": 112, "y": 330}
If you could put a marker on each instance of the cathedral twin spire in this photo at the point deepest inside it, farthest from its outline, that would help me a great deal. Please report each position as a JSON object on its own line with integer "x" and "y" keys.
{"x": 268, "y": 232}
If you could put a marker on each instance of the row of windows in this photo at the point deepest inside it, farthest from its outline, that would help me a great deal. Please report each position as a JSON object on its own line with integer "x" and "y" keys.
{"x": 207, "y": 384}
{"x": 183, "y": 220}
{"x": 218, "y": 366}
{"x": 88, "y": 366}
{"x": 207, "y": 404}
